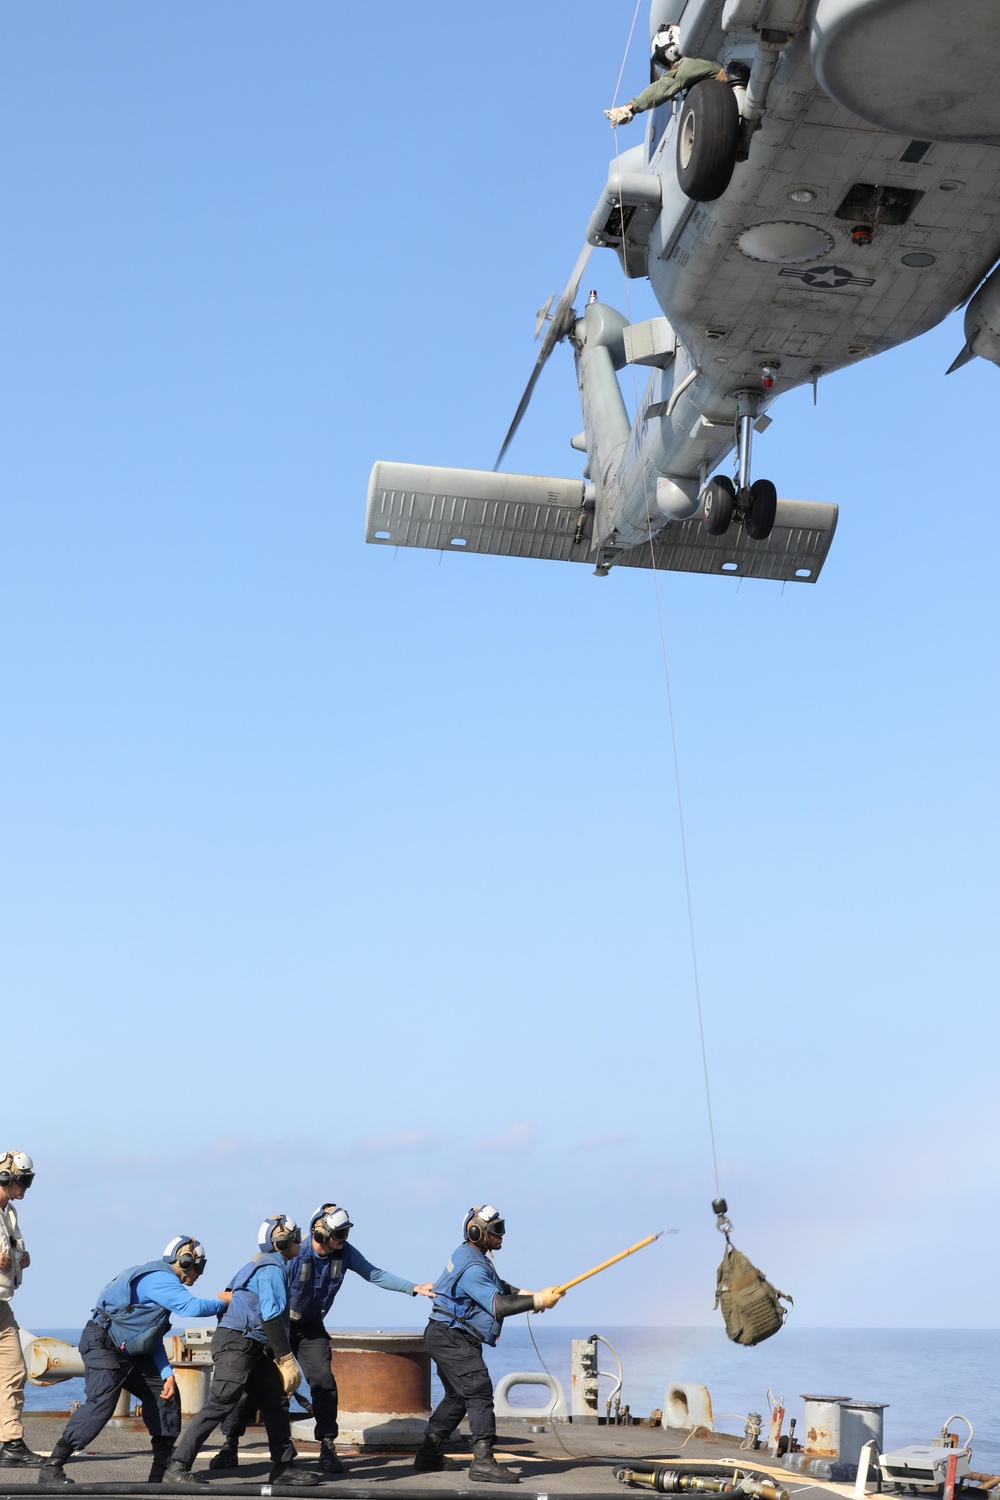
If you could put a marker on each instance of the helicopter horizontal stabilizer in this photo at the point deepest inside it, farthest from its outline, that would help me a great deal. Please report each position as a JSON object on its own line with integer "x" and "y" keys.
{"x": 526, "y": 515}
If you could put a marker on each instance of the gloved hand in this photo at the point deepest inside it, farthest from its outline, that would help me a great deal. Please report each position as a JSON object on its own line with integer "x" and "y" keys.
{"x": 547, "y": 1297}
{"x": 620, "y": 115}
{"x": 291, "y": 1375}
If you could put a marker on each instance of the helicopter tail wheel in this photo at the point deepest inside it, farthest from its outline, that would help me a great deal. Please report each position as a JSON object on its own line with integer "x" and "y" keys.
{"x": 717, "y": 501}
{"x": 707, "y": 140}
{"x": 762, "y": 509}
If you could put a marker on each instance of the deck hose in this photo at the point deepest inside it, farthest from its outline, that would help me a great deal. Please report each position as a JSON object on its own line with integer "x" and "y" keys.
{"x": 668, "y": 1481}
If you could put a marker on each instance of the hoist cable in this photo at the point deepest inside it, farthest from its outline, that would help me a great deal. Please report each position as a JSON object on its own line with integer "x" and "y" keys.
{"x": 666, "y": 664}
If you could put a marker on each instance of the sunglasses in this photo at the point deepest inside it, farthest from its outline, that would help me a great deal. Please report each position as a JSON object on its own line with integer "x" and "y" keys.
{"x": 23, "y": 1179}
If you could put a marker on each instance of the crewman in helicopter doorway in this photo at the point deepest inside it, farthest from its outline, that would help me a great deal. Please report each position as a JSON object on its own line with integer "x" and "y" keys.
{"x": 676, "y": 74}
{"x": 470, "y": 1304}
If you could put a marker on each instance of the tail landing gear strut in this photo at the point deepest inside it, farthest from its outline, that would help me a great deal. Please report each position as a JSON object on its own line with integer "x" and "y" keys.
{"x": 753, "y": 505}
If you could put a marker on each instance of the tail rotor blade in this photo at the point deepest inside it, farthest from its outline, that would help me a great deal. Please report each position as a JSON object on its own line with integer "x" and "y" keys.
{"x": 561, "y": 322}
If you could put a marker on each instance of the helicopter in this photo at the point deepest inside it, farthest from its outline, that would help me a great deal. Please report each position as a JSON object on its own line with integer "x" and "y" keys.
{"x": 830, "y": 193}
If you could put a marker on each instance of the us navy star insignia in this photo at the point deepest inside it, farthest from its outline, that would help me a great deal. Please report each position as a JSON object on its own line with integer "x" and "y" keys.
{"x": 827, "y": 278}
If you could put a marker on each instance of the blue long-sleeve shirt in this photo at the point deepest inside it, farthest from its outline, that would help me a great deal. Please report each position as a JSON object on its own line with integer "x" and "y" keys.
{"x": 164, "y": 1288}
{"x": 271, "y": 1285}
{"x": 316, "y": 1279}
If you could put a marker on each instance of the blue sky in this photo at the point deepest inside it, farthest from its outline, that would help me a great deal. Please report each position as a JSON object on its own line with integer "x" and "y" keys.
{"x": 333, "y": 873}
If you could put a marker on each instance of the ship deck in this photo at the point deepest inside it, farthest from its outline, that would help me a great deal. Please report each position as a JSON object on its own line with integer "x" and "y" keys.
{"x": 564, "y": 1459}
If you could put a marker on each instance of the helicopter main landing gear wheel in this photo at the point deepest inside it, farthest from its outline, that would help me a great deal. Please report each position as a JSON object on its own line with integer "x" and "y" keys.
{"x": 755, "y": 506}
{"x": 718, "y": 501}
{"x": 707, "y": 140}
{"x": 762, "y": 509}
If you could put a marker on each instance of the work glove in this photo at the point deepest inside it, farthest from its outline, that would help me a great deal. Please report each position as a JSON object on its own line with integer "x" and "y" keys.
{"x": 547, "y": 1297}
{"x": 291, "y": 1375}
{"x": 620, "y": 115}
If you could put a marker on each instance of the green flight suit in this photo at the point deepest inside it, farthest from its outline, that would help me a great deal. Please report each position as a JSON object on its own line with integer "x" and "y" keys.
{"x": 683, "y": 75}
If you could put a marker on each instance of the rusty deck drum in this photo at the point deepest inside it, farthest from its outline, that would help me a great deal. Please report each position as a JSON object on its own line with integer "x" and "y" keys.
{"x": 384, "y": 1387}
{"x": 380, "y": 1371}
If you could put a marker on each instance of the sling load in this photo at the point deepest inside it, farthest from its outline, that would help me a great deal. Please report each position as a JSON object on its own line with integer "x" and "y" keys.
{"x": 751, "y": 1306}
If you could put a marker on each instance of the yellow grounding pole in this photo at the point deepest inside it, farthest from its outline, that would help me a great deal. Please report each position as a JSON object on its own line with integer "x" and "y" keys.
{"x": 640, "y": 1245}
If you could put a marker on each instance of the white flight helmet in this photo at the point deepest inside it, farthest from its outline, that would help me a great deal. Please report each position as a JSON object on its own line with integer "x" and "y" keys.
{"x": 331, "y": 1223}
{"x": 16, "y": 1166}
{"x": 665, "y": 47}
{"x": 186, "y": 1253}
{"x": 480, "y": 1221}
{"x": 277, "y": 1232}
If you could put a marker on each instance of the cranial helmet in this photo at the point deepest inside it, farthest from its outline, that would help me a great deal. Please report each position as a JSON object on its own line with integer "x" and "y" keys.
{"x": 276, "y": 1232}
{"x": 480, "y": 1221}
{"x": 16, "y": 1166}
{"x": 330, "y": 1223}
{"x": 185, "y": 1253}
{"x": 665, "y": 47}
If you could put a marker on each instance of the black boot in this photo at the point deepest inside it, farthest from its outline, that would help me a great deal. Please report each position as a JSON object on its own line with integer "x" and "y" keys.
{"x": 162, "y": 1449}
{"x": 51, "y": 1471}
{"x": 430, "y": 1459}
{"x": 228, "y": 1456}
{"x": 289, "y": 1474}
{"x": 17, "y": 1454}
{"x": 178, "y": 1473}
{"x": 329, "y": 1462}
{"x": 484, "y": 1468}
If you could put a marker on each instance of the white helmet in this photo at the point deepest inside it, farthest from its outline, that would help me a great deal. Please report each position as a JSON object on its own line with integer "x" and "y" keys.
{"x": 277, "y": 1232}
{"x": 16, "y": 1166}
{"x": 665, "y": 47}
{"x": 480, "y": 1221}
{"x": 331, "y": 1223}
{"x": 185, "y": 1252}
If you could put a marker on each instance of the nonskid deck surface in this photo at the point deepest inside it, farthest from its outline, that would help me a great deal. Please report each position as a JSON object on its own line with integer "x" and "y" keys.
{"x": 564, "y": 1460}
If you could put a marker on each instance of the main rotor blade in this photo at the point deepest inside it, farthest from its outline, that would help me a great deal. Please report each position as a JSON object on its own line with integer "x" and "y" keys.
{"x": 560, "y": 324}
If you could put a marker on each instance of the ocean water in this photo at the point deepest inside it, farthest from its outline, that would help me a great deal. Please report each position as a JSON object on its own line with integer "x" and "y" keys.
{"x": 925, "y": 1374}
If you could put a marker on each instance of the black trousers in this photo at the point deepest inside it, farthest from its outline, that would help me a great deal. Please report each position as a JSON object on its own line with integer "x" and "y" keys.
{"x": 107, "y": 1371}
{"x": 242, "y": 1368}
{"x": 466, "y": 1380}
{"x": 311, "y": 1347}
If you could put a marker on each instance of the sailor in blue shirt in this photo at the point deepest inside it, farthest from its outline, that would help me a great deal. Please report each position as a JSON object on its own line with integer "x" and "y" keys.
{"x": 252, "y": 1358}
{"x": 316, "y": 1275}
{"x": 122, "y": 1348}
{"x": 470, "y": 1304}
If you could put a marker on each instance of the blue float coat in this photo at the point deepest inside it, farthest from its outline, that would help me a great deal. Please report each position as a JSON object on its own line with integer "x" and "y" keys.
{"x": 316, "y": 1279}
{"x": 260, "y": 1293}
{"x": 465, "y": 1294}
{"x": 164, "y": 1289}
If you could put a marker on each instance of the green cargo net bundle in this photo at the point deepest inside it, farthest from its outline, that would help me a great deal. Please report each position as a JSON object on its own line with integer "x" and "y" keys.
{"x": 751, "y": 1306}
